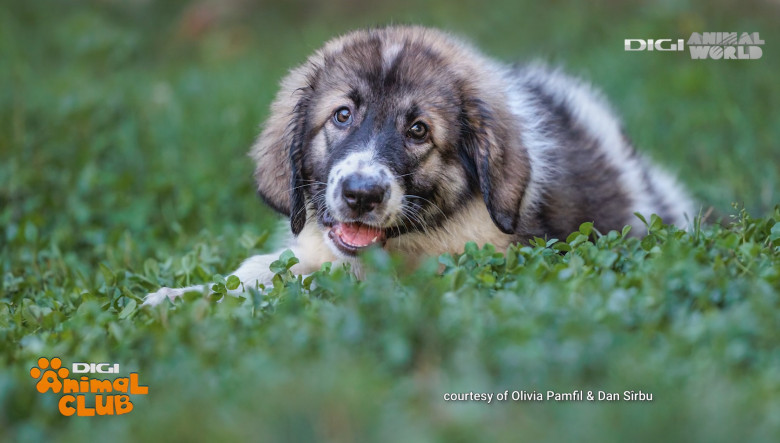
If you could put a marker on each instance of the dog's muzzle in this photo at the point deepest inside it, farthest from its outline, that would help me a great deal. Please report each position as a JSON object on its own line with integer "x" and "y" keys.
{"x": 359, "y": 205}
{"x": 363, "y": 194}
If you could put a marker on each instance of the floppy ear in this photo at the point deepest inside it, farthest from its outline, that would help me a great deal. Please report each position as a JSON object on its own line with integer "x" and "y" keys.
{"x": 279, "y": 150}
{"x": 495, "y": 154}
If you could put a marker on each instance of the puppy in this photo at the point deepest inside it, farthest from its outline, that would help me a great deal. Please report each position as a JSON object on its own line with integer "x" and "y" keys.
{"x": 409, "y": 139}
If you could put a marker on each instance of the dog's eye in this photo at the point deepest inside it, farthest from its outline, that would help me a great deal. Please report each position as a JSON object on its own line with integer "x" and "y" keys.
{"x": 343, "y": 116}
{"x": 418, "y": 131}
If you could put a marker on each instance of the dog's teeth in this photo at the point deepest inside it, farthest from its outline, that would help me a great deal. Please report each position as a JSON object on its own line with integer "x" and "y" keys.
{"x": 374, "y": 239}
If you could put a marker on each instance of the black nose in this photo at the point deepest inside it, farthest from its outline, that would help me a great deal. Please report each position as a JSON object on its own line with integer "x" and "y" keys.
{"x": 363, "y": 194}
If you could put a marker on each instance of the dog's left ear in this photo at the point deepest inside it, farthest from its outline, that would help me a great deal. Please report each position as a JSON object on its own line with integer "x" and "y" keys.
{"x": 492, "y": 146}
{"x": 279, "y": 150}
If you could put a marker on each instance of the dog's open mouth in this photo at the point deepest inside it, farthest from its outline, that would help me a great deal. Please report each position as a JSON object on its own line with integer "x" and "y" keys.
{"x": 353, "y": 237}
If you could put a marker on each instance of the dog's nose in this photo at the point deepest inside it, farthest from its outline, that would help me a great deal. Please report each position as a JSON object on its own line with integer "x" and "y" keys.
{"x": 363, "y": 194}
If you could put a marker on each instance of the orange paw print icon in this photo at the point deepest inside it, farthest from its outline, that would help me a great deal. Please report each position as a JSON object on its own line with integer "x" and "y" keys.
{"x": 51, "y": 377}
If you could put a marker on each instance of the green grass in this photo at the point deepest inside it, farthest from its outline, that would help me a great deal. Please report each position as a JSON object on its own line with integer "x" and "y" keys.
{"x": 123, "y": 134}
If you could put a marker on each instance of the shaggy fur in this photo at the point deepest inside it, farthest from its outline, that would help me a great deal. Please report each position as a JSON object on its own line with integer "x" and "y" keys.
{"x": 410, "y": 139}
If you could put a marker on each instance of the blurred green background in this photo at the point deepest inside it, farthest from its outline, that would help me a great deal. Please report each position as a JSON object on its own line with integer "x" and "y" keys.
{"x": 124, "y": 128}
{"x": 135, "y": 116}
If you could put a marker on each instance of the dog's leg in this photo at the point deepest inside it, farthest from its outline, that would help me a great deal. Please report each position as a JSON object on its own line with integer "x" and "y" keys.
{"x": 155, "y": 298}
{"x": 308, "y": 247}
{"x": 254, "y": 270}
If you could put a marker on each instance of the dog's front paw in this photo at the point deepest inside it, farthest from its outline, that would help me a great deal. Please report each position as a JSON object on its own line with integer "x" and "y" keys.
{"x": 155, "y": 298}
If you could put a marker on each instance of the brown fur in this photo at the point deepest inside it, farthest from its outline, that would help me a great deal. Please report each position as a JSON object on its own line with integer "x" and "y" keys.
{"x": 434, "y": 68}
{"x": 510, "y": 154}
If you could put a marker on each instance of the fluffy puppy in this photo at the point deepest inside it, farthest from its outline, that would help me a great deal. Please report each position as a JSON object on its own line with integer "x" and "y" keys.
{"x": 408, "y": 139}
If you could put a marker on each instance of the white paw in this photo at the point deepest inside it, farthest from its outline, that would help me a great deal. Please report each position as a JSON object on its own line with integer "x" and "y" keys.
{"x": 155, "y": 298}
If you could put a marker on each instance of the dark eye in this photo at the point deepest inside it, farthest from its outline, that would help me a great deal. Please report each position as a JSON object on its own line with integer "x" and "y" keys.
{"x": 343, "y": 116}
{"x": 417, "y": 131}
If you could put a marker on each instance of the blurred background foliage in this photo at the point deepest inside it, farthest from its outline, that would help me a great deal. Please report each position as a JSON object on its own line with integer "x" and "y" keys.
{"x": 158, "y": 101}
{"x": 124, "y": 127}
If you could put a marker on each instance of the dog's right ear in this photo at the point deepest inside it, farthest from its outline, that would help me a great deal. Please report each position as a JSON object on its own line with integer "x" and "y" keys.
{"x": 279, "y": 150}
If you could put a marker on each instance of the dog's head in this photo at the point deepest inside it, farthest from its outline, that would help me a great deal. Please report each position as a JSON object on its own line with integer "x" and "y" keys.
{"x": 389, "y": 131}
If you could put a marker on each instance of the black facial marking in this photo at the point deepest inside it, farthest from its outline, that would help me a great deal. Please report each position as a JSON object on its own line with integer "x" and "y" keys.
{"x": 356, "y": 98}
{"x": 412, "y": 114}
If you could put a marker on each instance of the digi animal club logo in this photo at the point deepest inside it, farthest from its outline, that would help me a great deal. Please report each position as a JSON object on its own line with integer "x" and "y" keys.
{"x": 87, "y": 396}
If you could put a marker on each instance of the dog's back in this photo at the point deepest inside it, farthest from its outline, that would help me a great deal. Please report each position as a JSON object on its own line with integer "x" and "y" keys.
{"x": 584, "y": 168}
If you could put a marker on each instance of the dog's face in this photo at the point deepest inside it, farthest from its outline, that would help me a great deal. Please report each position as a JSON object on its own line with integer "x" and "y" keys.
{"x": 387, "y": 132}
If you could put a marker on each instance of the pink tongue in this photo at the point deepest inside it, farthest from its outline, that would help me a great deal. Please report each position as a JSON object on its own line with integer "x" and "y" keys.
{"x": 358, "y": 234}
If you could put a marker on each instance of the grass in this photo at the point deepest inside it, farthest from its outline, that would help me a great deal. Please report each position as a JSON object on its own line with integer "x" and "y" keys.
{"x": 123, "y": 133}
